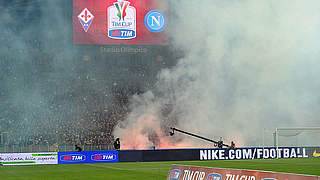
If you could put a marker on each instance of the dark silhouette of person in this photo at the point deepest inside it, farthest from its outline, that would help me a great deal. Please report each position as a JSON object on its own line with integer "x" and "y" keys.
{"x": 233, "y": 145}
{"x": 220, "y": 143}
{"x": 77, "y": 148}
{"x": 116, "y": 144}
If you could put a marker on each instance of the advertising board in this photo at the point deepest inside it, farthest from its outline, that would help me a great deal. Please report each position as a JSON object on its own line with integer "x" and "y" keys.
{"x": 180, "y": 172}
{"x": 29, "y": 158}
{"x": 88, "y": 157}
{"x": 218, "y": 154}
{"x": 258, "y": 153}
{"x": 128, "y": 22}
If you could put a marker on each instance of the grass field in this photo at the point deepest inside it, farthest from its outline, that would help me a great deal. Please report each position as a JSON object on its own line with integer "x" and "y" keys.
{"x": 148, "y": 170}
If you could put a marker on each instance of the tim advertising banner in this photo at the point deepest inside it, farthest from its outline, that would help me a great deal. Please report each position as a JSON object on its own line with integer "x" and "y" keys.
{"x": 88, "y": 157}
{"x": 29, "y": 158}
{"x": 129, "y": 22}
{"x": 180, "y": 172}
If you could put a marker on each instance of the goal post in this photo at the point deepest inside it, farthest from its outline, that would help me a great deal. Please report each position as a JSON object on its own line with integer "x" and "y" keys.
{"x": 297, "y": 137}
{"x": 307, "y": 136}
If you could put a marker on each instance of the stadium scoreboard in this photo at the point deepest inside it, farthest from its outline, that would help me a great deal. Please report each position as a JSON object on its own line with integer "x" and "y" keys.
{"x": 114, "y": 22}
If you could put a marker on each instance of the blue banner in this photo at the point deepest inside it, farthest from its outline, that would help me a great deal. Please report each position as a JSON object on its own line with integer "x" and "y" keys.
{"x": 88, "y": 157}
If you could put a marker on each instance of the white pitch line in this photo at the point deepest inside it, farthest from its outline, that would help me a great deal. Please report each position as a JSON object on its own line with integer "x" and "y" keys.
{"x": 105, "y": 166}
{"x": 130, "y": 169}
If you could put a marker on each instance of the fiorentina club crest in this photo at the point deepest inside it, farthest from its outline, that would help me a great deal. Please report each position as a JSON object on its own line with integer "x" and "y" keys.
{"x": 121, "y": 20}
{"x": 85, "y": 18}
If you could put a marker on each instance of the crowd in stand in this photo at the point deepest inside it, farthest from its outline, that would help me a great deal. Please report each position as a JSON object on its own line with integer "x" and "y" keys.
{"x": 95, "y": 130}
{"x": 61, "y": 110}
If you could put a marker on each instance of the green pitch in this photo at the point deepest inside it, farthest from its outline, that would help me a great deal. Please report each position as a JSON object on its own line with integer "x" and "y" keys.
{"x": 147, "y": 170}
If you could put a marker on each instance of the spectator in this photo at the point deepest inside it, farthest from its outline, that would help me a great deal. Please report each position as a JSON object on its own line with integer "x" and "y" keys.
{"x": 77, "y": 148}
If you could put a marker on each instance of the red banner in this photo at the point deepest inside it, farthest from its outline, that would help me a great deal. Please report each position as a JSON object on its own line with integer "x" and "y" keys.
{"x": 179, "y": 172}
{"x": 129, "y": 22}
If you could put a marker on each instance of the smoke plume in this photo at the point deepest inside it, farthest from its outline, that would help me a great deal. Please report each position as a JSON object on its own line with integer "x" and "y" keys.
{"x": 248, "y": 65}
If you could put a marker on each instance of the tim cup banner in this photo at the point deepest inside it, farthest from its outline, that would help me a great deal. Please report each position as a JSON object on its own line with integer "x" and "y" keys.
{"x": 130, "y": 22}
{"x": 179, "y": 172}
{"x": 29, "y": 158}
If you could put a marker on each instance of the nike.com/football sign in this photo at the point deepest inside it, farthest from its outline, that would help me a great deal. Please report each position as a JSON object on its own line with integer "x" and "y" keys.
{"x": 130, "y": 22}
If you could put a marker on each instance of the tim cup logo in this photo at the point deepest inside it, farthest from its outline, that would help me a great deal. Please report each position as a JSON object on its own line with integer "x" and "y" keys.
{"x": 121, "y": 20}
{"x": 121, "y": 7}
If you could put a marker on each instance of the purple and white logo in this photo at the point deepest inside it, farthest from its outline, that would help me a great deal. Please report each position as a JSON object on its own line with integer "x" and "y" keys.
{"x": 85, "y": 18}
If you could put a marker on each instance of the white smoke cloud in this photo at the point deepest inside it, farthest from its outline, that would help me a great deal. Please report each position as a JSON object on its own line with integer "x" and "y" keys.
{"x": 248, "y": 65}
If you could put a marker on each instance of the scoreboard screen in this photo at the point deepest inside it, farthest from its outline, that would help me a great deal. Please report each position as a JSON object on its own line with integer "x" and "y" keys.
{"x": 128, "y": 22}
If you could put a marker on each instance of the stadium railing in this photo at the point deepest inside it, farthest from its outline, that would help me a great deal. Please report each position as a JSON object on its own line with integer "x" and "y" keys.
{"x": 50, "y": 148}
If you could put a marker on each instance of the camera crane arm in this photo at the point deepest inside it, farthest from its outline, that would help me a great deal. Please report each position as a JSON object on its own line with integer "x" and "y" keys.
{"x": 194, "y": 135}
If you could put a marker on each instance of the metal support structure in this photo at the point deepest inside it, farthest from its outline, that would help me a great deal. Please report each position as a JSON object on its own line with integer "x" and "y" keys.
{"x": 194, "y": 135}
{"x": 4, "y": 138}
{"x": 263, "y": 132}
{"x": 302, "y": 128}
{"x": 277, "y": 142}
